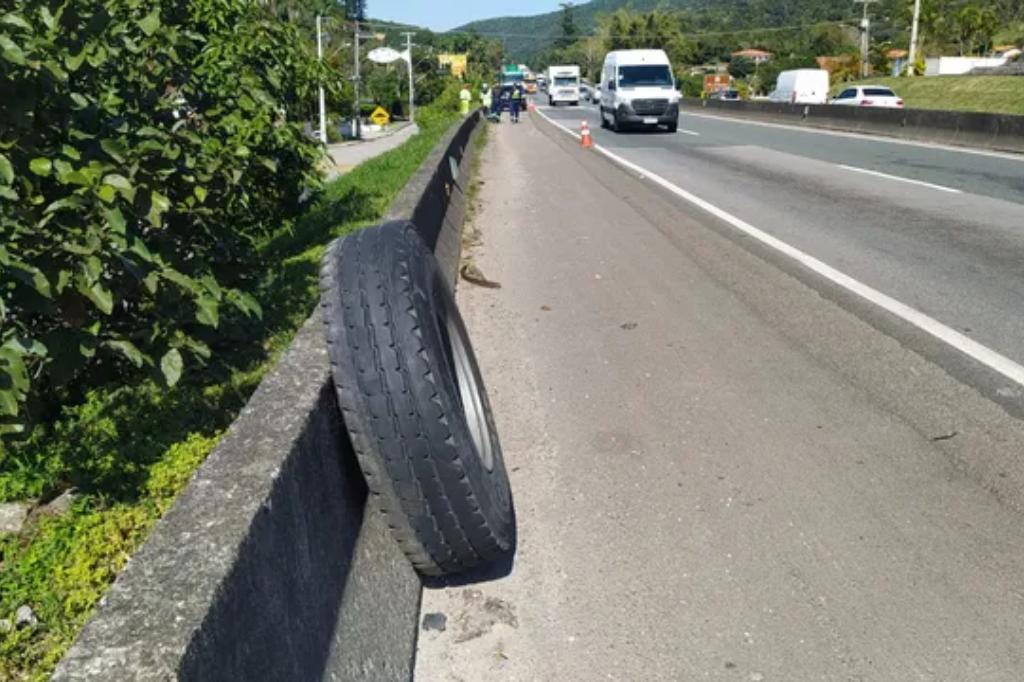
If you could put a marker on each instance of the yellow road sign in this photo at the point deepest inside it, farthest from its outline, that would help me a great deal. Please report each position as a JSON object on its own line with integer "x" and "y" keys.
{"x": 379, "y": 116}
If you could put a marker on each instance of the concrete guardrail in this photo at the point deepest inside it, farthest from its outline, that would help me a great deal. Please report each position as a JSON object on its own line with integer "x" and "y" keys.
{"x": 269, "y": 566}
{"x": 1003, "y": 132}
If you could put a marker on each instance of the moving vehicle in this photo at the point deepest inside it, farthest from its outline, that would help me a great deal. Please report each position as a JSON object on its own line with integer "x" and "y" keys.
{"x": 638, "y": 90}
{"x": 564, "y": 85}
{"x": 868, "y": 96}
{"x": 585, "y": 92}
{"x": 530, "y": 81}
{"x": 512, "y": 74}
{"x": 801, "y": 86}
{"x": 595, "y": 96}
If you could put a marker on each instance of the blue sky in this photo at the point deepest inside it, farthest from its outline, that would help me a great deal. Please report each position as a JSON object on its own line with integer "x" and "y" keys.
{"x": 441, "y": 15}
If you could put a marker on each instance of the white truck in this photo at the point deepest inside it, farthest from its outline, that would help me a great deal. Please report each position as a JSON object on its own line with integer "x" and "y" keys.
{"x": 638, "y": 90}
{"x": 564, "y": 85}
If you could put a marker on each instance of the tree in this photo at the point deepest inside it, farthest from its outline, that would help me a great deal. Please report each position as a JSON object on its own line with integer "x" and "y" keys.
{"x": 741, "y": 67}
{"x": 355, "y": 9}
{"x": 570, "y": 31}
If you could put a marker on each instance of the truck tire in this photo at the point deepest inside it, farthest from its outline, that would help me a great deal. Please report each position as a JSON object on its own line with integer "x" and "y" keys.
{"x": 413, "y": 401}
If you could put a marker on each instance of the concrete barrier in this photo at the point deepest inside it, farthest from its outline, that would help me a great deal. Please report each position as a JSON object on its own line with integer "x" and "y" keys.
{"x": 1002, "y": 132}
{"x": 269, "y": 566}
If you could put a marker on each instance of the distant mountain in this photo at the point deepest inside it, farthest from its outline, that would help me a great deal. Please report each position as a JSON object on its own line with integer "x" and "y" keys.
{"x": 525, "y": 37}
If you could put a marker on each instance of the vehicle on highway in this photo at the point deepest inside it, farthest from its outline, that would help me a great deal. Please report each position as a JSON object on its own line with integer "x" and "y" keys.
{"x": 530, "y": 81}
{"x": 595, "y": 95}
{"x": 564, "y": 85}
{"x": 802, "y": 86}
{"x": 638, "y": 90}
{"x": 868, "y": 96}
{"x": 585, "y": 92}
{"x": 727, "y": 94}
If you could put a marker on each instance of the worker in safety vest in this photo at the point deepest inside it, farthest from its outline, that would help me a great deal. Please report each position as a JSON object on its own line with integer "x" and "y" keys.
{"x": 465, "y": 97}
{"x": 517, "y": 100}
{"x": 486, "y": 98}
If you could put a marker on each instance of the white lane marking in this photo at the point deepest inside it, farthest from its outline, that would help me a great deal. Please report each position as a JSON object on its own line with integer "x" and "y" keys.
{"x": 969, "y": 347}
{"x": 861, "y": 136}
{"x": 920, "y": 183}
{"x": 694, "y": 133}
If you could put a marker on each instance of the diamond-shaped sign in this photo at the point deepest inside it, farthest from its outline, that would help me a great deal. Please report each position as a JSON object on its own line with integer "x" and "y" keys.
{"x": 379, "y": 116}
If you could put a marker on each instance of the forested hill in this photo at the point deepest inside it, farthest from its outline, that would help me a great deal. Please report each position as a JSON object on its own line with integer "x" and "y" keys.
{"x": 526, "y": 37}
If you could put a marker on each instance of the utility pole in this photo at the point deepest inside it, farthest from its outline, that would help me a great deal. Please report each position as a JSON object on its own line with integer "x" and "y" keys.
{"x": 320, "y": 57}
{"x": 357, "y": 128}
{"x": 865, "y": 38}
{"x": 912, "y": 53}
{"x": 412, "y": 98}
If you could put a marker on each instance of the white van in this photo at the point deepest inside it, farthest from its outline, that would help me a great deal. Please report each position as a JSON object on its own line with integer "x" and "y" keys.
{"x": 637, "y": 89}
{"x": 801, "y": 86}
{"x": 564, "y": 85}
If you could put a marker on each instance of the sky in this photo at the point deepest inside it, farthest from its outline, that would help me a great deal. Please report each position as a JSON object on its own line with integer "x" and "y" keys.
{"x": 441, "y": 15}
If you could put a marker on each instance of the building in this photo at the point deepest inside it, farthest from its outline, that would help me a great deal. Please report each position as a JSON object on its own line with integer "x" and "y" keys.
{"x": 754, "y": 55}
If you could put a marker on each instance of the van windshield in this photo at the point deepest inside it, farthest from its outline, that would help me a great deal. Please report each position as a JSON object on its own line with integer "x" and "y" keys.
{"x": 645, "y": 75}
{"x": 565, "y": 81}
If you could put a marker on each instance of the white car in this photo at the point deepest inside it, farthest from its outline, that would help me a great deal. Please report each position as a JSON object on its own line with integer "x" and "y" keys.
{"x": 595, "y": 96}
{"x": 868, "y": 96}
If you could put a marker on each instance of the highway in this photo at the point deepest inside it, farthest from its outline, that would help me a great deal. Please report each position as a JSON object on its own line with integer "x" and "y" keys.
{"x": 759, "y": 405}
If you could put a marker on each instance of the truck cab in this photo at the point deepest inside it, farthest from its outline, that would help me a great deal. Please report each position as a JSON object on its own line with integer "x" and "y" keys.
{"x": 564, "y": 85}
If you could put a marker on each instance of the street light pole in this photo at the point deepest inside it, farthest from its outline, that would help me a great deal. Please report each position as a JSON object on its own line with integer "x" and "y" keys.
{"x": 412, "y": 98}
{"x": 865, "y": 38}
{"x": 320, "y": 57}
{"x": 912, "y": 53}
{"x": 356, "y": 125}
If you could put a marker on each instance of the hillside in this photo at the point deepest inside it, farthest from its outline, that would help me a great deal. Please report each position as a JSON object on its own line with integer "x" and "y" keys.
{"x": 991, "y": 94}
{"x": 525, "y": 37}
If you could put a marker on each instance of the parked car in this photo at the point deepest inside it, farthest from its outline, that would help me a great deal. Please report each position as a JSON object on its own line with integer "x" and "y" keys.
{"x": 868, "y": 96}
{"x": 727, "y": 94}
{"x": 584, "y": 92}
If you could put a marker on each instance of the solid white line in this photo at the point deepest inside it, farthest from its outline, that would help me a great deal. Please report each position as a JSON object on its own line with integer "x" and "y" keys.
{"x": 860, "y": 136}
{"x": 969, "y": 347}
{"x": 694, "y": 133}
{"x": 920, "y": 183}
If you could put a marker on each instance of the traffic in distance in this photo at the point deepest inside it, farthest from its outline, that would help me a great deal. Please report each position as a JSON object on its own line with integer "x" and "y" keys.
{"x": 637, "y": 89}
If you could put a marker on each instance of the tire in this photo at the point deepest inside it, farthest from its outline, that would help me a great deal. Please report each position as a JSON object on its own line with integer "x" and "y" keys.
{"x": 604, "y": 121}
{"x": 616, "y": 126}
{"x": 405, "y": 374}
{"x": 552, "y": 102}
{"x": 673, "y": 127}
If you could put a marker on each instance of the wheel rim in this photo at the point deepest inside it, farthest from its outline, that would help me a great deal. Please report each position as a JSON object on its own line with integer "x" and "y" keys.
{"x": 460, "y": 357}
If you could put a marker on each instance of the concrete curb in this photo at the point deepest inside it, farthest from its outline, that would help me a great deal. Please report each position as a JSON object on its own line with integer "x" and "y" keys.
{"x": 997, "y": 132}
{"x": 269, "y": 566}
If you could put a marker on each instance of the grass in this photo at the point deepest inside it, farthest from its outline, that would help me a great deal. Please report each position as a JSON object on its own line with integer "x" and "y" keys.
{"x": 129, "y": 450}
{"x": 988, "y": 94}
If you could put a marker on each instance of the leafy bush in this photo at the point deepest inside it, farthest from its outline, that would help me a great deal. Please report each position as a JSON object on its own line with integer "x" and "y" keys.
{"x": 129, "y": 450}
{"x": 144, "y": 147}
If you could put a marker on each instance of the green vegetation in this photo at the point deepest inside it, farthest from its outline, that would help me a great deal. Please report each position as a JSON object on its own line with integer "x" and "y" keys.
{"x": 714, "y": 29}
{"x": 130, "y": 449}
{"x": 144, "y": 151}
{"x": 996, "y": 94}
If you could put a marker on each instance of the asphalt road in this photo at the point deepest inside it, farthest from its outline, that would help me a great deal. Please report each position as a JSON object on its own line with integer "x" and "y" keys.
{"x": 723, "y": 470}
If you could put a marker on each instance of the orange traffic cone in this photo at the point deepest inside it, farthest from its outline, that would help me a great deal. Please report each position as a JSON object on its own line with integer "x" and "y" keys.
{"x": 585, "y": 141}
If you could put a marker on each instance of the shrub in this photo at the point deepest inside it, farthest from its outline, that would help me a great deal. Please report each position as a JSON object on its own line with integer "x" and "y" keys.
{"x": 144, "y": 147}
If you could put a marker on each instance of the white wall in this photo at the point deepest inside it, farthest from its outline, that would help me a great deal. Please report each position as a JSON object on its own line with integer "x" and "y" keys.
{"x": 956, "y": 66}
